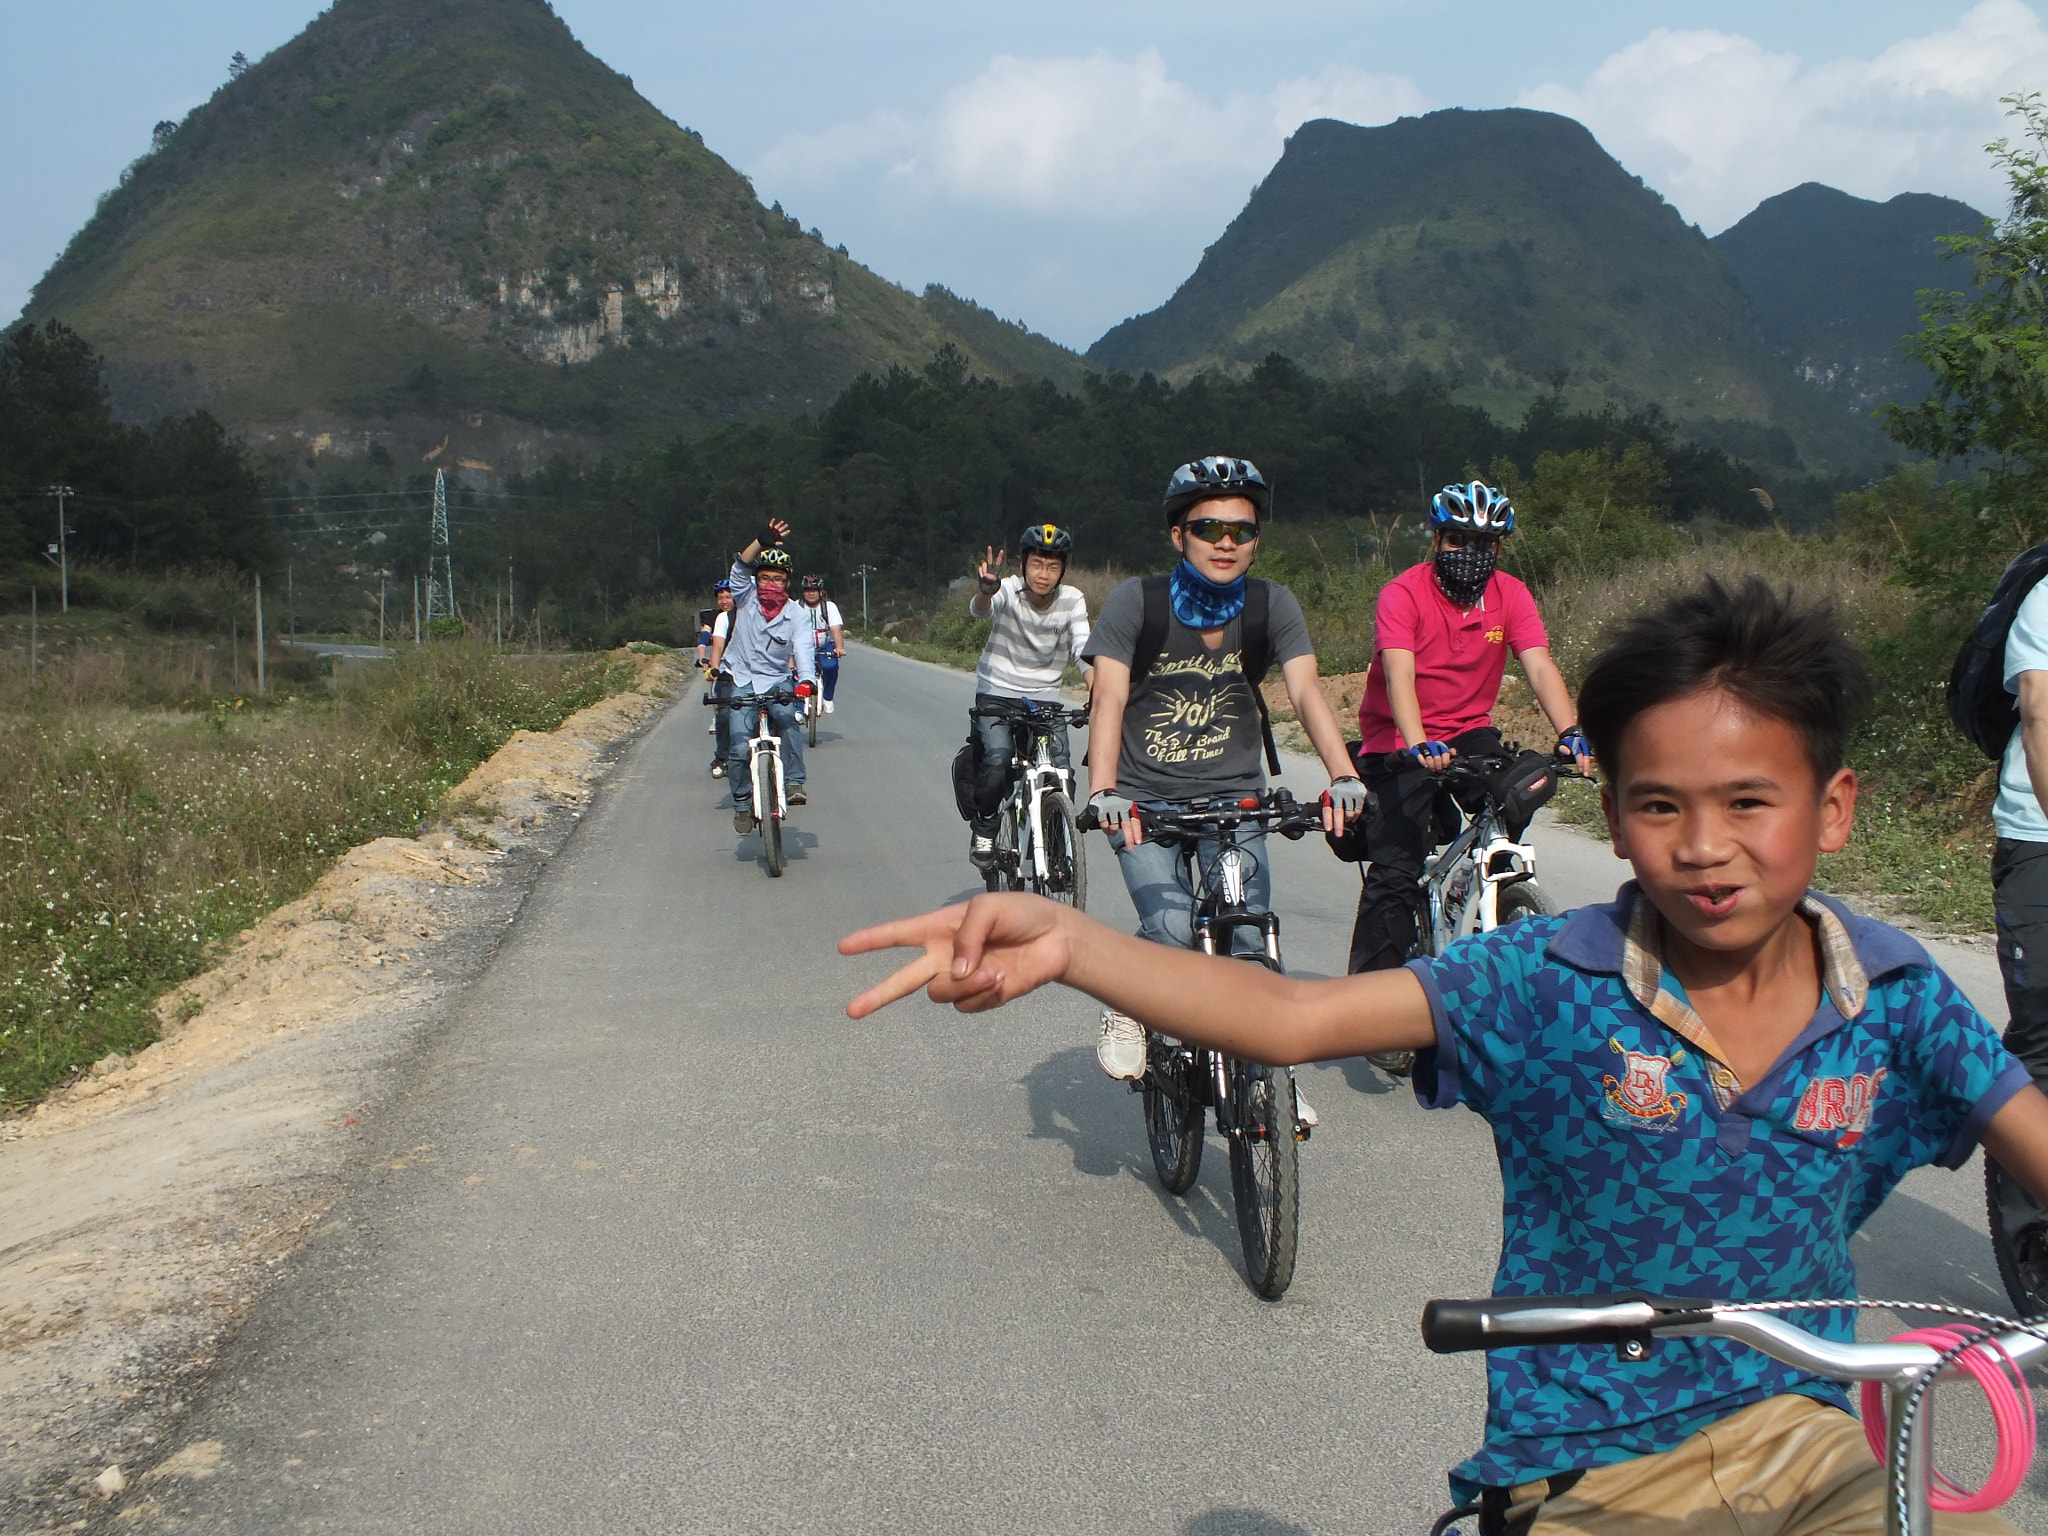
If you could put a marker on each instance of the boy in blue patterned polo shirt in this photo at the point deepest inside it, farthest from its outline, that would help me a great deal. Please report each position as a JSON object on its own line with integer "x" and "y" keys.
{"x": 1701, "y": 1089}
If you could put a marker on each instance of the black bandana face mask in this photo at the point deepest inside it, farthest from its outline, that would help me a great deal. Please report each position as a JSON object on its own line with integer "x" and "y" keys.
{"x": 1464, "y": 573}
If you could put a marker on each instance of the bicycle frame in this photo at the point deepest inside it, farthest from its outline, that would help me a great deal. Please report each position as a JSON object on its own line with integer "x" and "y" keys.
{"x": 1496, "y": 859}
{"x": 1025, "y": 802}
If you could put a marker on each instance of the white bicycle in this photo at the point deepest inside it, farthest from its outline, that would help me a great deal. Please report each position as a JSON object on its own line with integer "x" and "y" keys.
{"x": 764, "y": 765}
{"x": 1036, "y": 845}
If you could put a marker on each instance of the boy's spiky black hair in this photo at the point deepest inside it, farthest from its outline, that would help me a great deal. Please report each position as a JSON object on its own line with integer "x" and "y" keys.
{"x": 1782, "y": 658}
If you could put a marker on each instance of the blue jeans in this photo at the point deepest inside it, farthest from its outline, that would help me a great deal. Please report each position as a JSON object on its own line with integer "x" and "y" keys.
{"x": 1152, "y": 874}
{"x": 721, "y": 689}
{"x": 995, "y": 741}
{"x": 828, "y": 673}
{"x": 746, "y": 717}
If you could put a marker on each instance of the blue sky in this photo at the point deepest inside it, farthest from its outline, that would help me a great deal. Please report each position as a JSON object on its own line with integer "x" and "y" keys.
{"x": 1066, "y": 163}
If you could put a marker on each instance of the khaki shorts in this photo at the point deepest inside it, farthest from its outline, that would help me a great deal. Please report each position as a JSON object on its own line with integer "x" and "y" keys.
{"x": 1788, "y": 1466}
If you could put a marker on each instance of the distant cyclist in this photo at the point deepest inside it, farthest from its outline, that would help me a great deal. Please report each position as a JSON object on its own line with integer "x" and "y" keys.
{"x": 768, "y": 642}
{"x": 828, "y": 634}
{"x": 1185, "y": 718}
{"x": 1035, "y": 624}
{"x": 1443, "y": 630}
{"x": 714, "y": 631}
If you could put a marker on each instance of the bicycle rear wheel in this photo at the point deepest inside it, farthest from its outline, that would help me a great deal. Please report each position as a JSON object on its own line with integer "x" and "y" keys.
{"x": 1066, "y": 862}
{"x": 1265, "y": 1174}
{"x": 1173, "y": 1111}
{"x": 2019, "y": 1239}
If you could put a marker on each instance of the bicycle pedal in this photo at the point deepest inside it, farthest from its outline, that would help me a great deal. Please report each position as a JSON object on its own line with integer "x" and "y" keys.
{"x": 1302, "y": 1132}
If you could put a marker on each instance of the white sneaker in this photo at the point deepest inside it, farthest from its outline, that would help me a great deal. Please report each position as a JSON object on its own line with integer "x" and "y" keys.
{"x": 1303, "y": 1114}
{"x": 981, "y": 851}
{"x": 1121, "y": 1050}
{"x": 828, "y": 706}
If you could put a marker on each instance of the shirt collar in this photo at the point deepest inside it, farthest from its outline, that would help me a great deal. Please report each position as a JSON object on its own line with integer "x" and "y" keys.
{"x": 1624, "y": 938}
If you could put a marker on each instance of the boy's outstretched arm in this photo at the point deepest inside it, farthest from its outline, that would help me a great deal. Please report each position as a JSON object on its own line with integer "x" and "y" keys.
{"x": 2018, "y": 1137}
{"x": 996, "y": 948}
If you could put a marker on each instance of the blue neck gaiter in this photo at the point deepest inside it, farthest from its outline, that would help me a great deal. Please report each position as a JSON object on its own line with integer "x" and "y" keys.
{"x": 1199, "y": 602}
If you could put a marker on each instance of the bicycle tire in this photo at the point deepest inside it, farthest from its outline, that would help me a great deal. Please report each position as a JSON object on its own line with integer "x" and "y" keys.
{"x": 1002, "y": 859}
{"x": 1173, "y": 1112}
{"x": 2019, "y": 1239}
{"x": 1523, "y": 899}
{"x": 1265, "y": 1174}
{"x": 1066, "y": 861}
{"x": 812, "y": 709}
{"x": 771, "y": 840}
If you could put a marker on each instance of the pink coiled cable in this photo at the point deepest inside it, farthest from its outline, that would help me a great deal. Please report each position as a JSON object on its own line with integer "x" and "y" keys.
{"x": 2012, "y": 1412}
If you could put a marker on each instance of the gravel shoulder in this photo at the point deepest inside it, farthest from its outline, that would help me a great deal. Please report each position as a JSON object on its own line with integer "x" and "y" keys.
{"x": 144, "y": 1208}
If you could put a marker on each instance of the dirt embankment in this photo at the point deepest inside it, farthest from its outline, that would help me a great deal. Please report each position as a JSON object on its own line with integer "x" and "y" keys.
{"x": 142, "y": 1208}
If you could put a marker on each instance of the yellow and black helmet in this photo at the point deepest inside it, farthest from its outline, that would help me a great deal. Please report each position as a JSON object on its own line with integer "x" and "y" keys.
{"x": 1047, "y": 540}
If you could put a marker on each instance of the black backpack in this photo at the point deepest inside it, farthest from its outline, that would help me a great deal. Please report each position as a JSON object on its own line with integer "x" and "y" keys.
{"x": 1978, "y": 702}
{"x": 1255, "y": 655}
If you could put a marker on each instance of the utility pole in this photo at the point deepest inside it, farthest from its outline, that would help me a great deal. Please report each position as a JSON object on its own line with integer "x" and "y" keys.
{"x": 864, "y": 572}
{"x": 262, "y": 684}
{"x": 511, "y": 605}
{"x": 63, "y": 548}
{"x": 291, "y": 602}
{"x": 380, "y": 609}
{"x": 498, "y": 618}
{"x": 235, "y": 648}
{"x": 32, "y": 636}
{"x": 415, "y": 610}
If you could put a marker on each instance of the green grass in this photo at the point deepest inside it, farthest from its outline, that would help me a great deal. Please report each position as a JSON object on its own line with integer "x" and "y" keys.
{"x": 141, "y": 833}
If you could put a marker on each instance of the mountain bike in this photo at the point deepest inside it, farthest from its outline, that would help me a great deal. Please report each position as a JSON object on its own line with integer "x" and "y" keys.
{"x": 1903, "y": 1370}
{"x": 764, "y": 766}
{"x": 1037, "y": 847}
{"x": 1480, "y": 877}
{"x": 1253, "y": 1103}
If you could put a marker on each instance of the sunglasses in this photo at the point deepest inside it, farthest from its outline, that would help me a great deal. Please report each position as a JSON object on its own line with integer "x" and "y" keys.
{"x": 1457, "y": 539}
{"x": 1217, "y": 530}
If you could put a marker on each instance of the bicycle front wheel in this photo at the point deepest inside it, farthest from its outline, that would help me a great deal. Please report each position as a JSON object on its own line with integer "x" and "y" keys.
{"x": 1066, "y": 862}
{"x": 1523, "y": 899}
{"x": 771, "y": 840}
{"x": 1173, "y": 1111}
{"x": 2019, "y": 1239}
{"x": 1265, "y": 1174}
{"x": 812, "y": 710}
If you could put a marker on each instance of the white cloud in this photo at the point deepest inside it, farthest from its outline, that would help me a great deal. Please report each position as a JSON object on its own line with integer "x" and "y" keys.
{"x": 1098, "y": 136}
{"x": 1718, "y": 123}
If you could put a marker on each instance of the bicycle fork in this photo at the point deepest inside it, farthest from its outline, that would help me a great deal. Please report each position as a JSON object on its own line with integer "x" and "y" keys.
{"x": 1207, "y": 931}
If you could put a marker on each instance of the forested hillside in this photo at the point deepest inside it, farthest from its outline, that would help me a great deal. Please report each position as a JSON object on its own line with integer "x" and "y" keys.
{"x": 1506, "y": 251}
{"x": 443, "y": 225}
{"x": 1834, "y": 283}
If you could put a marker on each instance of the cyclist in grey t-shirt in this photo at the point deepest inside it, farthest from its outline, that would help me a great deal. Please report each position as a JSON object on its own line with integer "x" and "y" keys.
{"x": 1191, "y": 725}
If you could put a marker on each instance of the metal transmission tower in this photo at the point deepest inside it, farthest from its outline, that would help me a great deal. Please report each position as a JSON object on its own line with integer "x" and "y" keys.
{"x": 440, "y": 572}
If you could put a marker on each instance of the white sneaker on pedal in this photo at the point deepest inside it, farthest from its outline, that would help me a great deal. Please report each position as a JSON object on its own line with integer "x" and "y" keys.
{"x": 1121, "y": 1050}
{"x": 1303, "y": 1114}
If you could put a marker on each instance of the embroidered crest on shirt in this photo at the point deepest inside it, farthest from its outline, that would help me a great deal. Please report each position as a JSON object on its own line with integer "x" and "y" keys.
{"x": 1842, "y": 1104}
{"x": 1638, "y": 1096}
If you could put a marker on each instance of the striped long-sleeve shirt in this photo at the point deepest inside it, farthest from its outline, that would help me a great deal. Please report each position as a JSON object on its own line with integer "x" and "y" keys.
{"x": 1027, "y": 650}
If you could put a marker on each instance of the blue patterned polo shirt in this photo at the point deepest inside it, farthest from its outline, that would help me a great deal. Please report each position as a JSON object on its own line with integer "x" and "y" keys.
{"x": 1632, "y": 1159}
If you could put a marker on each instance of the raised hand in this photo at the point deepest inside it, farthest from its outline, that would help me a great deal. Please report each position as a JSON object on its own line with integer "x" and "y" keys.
{"x": 779, "y": 528}
{"x": 991, "y": 567}
{"x": 976, "y": 957}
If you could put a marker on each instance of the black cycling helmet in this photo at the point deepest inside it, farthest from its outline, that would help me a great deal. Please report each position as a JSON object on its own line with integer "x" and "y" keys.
{"x": 1046, "y": 540}
{"x": 774, "y": 558}
{"x": 1207, "y": 479}
{"x": 814, "y": 584}
{"x": 1476, "y": 508}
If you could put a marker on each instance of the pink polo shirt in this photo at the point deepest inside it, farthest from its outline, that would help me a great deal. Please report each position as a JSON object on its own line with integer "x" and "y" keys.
{"x": 1460, "y": 654}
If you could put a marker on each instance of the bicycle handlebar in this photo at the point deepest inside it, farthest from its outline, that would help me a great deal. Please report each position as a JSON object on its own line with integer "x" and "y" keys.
{"x": 1628, "y": 1320}
{"x": 1019, "y": 711}
{"x": 1270, "y": 810}
{"x": 737, "y": 700}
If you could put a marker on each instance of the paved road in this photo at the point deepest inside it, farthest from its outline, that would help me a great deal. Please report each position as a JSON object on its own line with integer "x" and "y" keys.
{"x": 658, "y": 1242}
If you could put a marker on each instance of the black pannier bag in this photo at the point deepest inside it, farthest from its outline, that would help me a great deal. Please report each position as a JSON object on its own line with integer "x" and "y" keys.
{"x": 963, "y": 780}
{"x": 1523, "y": 788}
